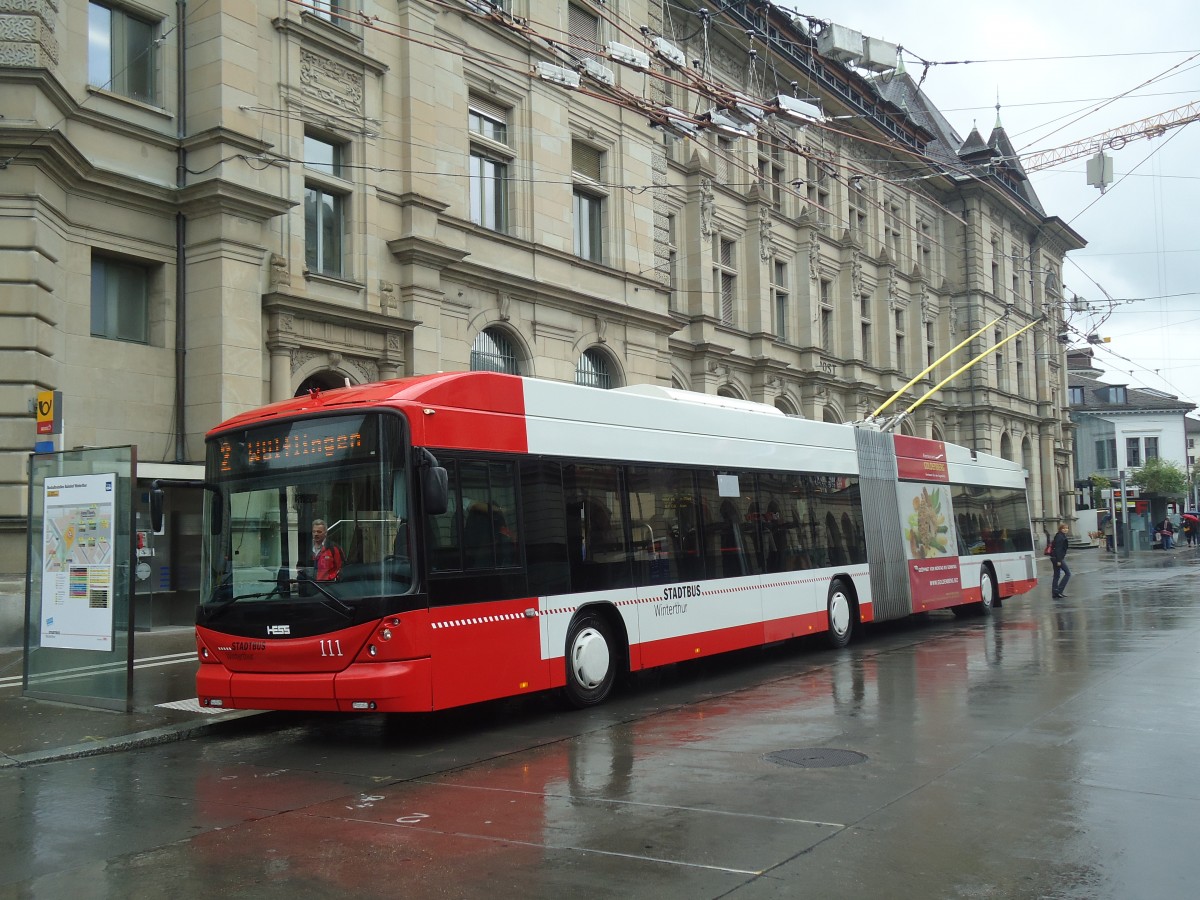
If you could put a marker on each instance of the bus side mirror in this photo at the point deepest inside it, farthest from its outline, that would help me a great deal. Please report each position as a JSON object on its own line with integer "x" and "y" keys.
{"x": 156, "y": 508}
{"x": 435, "y": 490}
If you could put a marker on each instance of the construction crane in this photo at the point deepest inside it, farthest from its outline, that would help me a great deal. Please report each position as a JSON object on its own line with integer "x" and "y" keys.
{"x": 1113, "y": 139}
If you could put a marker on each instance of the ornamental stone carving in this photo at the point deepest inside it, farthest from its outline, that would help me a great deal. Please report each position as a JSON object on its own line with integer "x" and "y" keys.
{"x": 708, "y": 207}
{"x": 331, "y": 82}
{"x": 766, "y": 246}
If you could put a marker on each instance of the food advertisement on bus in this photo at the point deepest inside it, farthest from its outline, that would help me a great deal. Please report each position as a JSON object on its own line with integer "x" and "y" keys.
{"x": 931, "y": 544}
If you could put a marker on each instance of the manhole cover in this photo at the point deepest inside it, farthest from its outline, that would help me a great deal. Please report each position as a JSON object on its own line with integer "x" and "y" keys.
{"x": 816, "y": 758}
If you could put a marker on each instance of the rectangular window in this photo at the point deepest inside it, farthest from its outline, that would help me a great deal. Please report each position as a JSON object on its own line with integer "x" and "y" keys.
{"x": 1018, "y": 257}
{"x": 324, "y": 215}
{"x": 1001, "y": 371}
{"x": 900, "y": 362}
{"x": 587, "y": 166}
{"x": 322, "y": 156}
{"x": 329, "y": 10}
{"x": 864, "y": 314}
{"x": 324, "y": 206}
{"x": 930, "y": 355}
{"x": 924, "y": 247}
{"x": 781, "y": 300}
{"x": 489, "y": 191}
{"x": 996, "y": 268}
{"x": 1019, "y": 354}
{"x": 122, "y": 54}
{"x": 489, "y": 163}
{"x": 817, "y": 191}
{"x": 725, "y": 279}
{"x": 588, "y": 226}
{"x": 858, "y": 214}
{"x": 672, "y": 248}
{"x": 1075, "y": 396}
{"x": 827, "y": 333}
{"x": 1151, "y": 448}
{"x": 1133, "y": 452}
{"x": 893, "y": 234}
{"x": 771, "y": 171}
{"x": 1106, "y": 453}
{"x": 120, "y": 300}
{"x": 724, "y": 159}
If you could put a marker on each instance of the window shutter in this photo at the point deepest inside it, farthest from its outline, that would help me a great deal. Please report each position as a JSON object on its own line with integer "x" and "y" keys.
{"x": 487, "y": 108}
{"x": 584, "y": 27}
{"x": 586, "y": 160}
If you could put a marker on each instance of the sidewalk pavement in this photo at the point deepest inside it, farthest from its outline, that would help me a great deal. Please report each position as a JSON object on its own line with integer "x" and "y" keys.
{"x": 164, "y": 695}
{"x": 37, "y": 731}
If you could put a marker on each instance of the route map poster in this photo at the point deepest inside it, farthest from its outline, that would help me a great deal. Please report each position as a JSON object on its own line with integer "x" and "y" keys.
{"x": 77, "y": 562}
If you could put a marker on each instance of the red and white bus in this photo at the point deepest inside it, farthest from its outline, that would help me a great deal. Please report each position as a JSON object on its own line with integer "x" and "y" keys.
{"x": 500, "y": 535}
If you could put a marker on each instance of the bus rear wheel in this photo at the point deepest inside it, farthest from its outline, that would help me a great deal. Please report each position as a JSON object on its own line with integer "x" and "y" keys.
{"x": 591, "y": 660}
{"x": 841, "y": 614}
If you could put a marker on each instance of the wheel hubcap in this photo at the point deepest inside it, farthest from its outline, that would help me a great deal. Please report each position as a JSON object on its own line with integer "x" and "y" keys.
{"x": 839, "y": 613}
{"x": 590, "y": 658}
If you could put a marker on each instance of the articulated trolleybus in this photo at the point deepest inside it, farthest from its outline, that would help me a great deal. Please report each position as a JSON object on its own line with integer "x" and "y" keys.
{"x": 489, "y": 535}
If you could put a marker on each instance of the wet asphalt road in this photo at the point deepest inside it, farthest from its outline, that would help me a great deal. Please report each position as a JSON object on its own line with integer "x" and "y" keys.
{"x": 1048, "y": 751}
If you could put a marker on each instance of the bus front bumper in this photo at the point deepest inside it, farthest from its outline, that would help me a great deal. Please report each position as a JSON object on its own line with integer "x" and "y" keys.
{"x": 403, "y": 686}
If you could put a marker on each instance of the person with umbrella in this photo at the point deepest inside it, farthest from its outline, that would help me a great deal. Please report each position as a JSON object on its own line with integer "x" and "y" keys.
{"x": 1191, "y": 524}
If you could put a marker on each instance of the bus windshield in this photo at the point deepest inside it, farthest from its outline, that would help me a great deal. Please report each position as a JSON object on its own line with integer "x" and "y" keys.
{"x": 306, "y": 524}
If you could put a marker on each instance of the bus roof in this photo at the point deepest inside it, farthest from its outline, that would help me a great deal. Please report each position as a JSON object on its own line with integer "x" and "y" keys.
{"x": 634, "y": 423}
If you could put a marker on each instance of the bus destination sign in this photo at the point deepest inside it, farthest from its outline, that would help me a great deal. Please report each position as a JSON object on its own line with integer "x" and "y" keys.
{"x": 296, "y": 445}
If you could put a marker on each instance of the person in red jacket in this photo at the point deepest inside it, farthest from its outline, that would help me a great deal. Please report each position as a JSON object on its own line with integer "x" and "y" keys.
{"x": 326, "y": 555}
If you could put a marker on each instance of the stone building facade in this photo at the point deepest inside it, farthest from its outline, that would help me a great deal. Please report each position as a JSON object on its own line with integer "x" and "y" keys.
{"x": 205, "y": 206}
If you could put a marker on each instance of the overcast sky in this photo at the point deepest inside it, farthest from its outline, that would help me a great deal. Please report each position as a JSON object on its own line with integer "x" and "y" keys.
{"x": 1143, "y": 240}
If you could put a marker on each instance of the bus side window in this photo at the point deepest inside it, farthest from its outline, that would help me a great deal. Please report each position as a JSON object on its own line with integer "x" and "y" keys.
{"x": 597, "y": 553}
{"x": 544, "y": 531}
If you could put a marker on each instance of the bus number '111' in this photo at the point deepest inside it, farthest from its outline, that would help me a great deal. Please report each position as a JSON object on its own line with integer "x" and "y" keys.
{"x": 331, "y": 648}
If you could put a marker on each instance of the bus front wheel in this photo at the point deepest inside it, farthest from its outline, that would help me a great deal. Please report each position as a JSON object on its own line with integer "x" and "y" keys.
{"x": 591, "y": 660}
{"x": 841, "y": 614}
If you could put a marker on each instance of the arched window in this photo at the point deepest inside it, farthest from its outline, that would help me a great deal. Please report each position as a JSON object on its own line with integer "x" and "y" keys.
{"x": 322, "y": 381}
{"x": 828, "y": 414}
{"x": 592, "y": 370}
{"x": 494, "y": 352}
{"x": 785, "y": 406}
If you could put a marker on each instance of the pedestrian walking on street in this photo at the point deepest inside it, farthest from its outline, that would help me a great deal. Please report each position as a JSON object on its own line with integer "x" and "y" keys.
{"x": 1106, "y": 525}
{"x": 1058, "y": 556}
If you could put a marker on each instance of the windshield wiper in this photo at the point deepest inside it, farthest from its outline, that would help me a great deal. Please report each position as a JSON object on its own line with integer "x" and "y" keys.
{"x": 331, "y": 601}
{"x": 225, "y": 604}
{"x": 327, "y": 599}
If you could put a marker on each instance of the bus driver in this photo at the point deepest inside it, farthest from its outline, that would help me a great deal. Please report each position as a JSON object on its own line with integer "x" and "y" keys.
{"x": 326, "y": 555}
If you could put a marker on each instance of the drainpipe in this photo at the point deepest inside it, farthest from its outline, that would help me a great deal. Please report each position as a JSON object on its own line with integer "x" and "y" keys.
{"x": 181, "y": 454}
